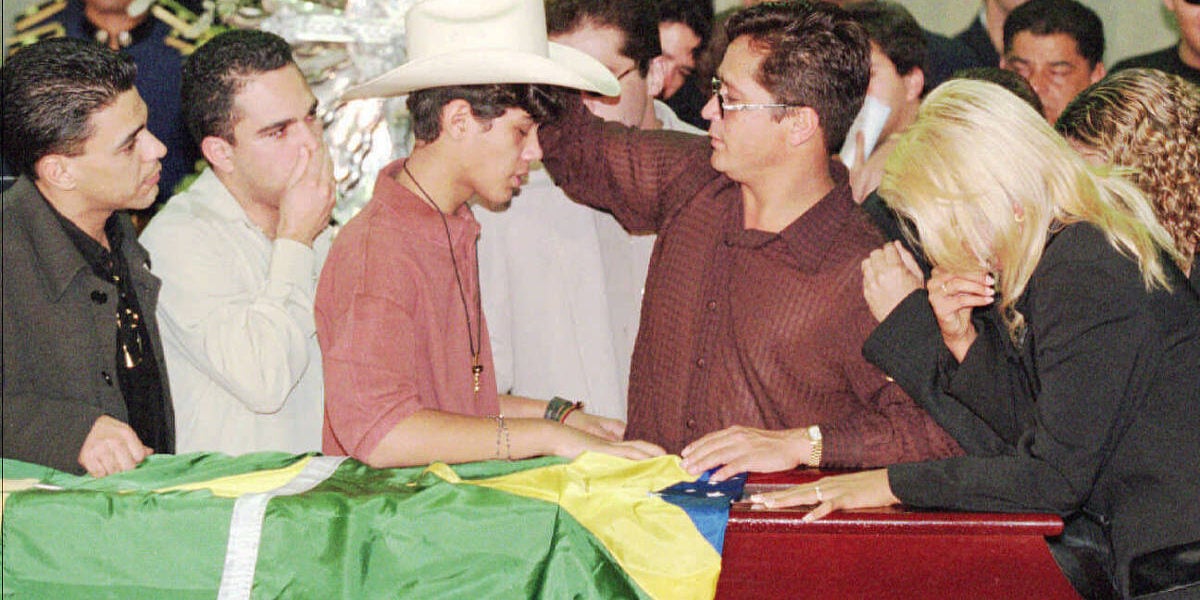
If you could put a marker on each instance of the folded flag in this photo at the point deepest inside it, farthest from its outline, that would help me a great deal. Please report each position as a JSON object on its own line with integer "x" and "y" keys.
{"x": 271, "y": 525}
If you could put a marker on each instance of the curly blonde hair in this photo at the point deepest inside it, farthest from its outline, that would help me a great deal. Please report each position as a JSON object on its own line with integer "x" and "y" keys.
{"x": 1147, "y": 121}
{"x": 985, "y": 179}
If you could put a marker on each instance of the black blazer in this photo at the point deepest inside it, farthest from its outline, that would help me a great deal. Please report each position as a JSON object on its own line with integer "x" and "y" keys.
{"x": 1095, "y": 411}
{"x": 59, "y": 345}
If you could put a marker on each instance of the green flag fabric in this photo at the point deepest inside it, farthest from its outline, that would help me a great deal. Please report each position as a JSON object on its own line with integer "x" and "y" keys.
{"x": 271, "y": 525}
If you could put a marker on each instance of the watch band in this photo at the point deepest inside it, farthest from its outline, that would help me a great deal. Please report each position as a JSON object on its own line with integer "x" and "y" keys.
{"x": 558, "y": 409}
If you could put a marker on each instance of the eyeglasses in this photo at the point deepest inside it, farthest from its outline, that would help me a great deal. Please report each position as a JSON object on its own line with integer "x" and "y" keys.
{"x": 717, "y": 84}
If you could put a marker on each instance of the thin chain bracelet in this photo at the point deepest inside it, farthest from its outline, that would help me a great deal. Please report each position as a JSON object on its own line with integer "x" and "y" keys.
{"x": 502, "y": 432}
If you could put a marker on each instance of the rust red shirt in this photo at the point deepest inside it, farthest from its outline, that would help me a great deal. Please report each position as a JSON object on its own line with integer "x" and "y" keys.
{"x": 742, "y": 327}
{"x": 390, "y": 321}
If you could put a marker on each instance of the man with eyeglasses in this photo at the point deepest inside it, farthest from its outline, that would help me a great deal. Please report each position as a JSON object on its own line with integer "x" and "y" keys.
{"x": 753, "y": 317}
{"x": 85, "y": 389}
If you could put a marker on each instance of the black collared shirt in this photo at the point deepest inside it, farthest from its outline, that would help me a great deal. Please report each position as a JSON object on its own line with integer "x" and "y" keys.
{"x": 137, "y": 368}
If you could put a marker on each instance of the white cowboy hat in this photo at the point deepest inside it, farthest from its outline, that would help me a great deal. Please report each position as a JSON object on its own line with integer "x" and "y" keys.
{"x": 469, "y": 42}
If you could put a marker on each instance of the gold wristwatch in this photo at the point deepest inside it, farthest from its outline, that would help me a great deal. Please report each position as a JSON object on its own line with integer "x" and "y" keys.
{"x": 814, "y": 437}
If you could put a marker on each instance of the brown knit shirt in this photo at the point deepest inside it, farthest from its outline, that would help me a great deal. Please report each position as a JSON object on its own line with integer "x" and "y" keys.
{"x": 741, "y": 327}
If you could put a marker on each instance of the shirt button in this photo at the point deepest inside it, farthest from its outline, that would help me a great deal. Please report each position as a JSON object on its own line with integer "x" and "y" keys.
{"x": 700, "y": 362}
{"x": 99, "y": 297}
{"x": 712, "y": 305}
{"x": 691, "y": 423}
{"x": 107, "y": 377}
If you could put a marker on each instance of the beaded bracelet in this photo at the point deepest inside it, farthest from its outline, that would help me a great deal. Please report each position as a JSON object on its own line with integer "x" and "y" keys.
{"x": 558, "y": 409}
{"x": 502, "y": 431}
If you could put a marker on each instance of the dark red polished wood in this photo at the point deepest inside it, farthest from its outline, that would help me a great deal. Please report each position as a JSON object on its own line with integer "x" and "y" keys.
{"x": 885, "y": 553}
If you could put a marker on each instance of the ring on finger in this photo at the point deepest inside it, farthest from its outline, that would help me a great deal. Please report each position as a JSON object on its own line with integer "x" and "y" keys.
{"x": 817, "y": 488}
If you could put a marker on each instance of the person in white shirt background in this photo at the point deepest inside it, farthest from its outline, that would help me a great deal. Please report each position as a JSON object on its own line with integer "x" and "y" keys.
{"x": 562, "y": 283}
{"x": 239, "y": 253}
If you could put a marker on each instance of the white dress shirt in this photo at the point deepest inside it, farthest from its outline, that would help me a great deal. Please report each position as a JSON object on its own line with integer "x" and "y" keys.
{"x": 236, "y": 314}
{"x": 562, "y": 293}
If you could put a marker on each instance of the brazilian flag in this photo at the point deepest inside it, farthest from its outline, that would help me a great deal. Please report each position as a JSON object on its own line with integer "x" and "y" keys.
{"x": 272, "y": 525}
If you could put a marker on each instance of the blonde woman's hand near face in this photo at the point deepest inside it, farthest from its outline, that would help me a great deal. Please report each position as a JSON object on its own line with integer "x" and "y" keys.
{"x": 953, "y": 296}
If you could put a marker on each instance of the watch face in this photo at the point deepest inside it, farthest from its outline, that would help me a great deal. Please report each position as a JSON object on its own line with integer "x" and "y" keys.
{"x": 814, "y": 433}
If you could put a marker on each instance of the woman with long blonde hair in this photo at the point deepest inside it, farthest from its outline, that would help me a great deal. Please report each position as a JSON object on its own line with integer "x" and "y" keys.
{"x": 1147, "y": 121}
{"x": 1103, "y": 329}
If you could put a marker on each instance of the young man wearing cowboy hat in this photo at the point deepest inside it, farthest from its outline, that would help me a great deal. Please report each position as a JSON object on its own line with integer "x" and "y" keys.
{"x": 408, "y": 364}
{"x": 753, "y": 317}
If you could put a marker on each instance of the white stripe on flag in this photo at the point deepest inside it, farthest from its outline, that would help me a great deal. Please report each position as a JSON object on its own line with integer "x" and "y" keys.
{"x": 245, "y": 526}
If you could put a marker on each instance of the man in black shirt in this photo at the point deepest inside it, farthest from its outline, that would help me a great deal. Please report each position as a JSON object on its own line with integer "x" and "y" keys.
{"x": 84, "y": 382}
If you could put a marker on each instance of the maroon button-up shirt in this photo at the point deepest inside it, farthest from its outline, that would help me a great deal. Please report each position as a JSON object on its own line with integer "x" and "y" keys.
{"x": 742, "y": 327}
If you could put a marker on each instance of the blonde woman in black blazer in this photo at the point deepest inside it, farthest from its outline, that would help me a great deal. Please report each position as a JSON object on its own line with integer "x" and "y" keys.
{"x": 1096, "y": 407}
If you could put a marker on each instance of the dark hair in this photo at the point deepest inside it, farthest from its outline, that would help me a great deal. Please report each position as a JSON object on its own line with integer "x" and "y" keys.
{"x": 217, "y": 71}
{"x": 51, "y": 89}
{"x": 1048, "y": 17}
{"x": 815, "y": 55}
{"x": 637, "y": 20}
{"x": 1006, "y": 79}
{"x": 487, "y": 102}
{"x": 897, "y": 33}
{"x": 696, "y": 14}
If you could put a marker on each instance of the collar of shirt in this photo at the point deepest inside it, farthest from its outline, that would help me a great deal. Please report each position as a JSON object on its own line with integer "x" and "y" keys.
{"x": 415, "y": 211}
{"x": 207, "y": 193}
{"x": 60, "y": 259}
{"x": 808, "y": 239}
{"x": 96, "y": 256}
{"x": 221, "y": 203}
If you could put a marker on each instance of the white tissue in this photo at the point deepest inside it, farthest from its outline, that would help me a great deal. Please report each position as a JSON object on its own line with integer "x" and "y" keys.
{"x": 870, "y": 121}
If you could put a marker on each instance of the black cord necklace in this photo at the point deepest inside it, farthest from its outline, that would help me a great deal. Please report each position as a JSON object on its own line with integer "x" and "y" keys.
{"x": 476, "y": 341}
